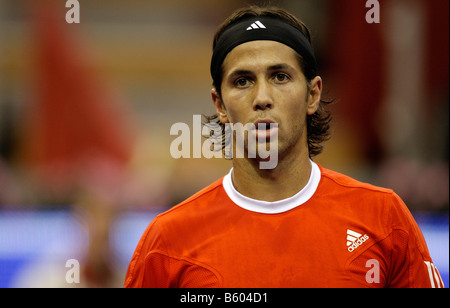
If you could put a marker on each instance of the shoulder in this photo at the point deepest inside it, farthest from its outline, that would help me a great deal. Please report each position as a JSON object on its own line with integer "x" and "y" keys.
{"x": 374, "y": 205}
{"x": 193, "y": 205}
{"x": 341, "y": 181}
{"x": 336, "y": 183}
{"x": 180, "y": 219}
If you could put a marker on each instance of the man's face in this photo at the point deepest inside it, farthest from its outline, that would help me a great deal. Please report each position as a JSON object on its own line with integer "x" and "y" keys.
{"x": 263, "y": 83}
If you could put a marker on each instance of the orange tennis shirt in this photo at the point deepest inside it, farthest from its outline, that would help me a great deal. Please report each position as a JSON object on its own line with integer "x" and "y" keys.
{"x": 335, "y": 232}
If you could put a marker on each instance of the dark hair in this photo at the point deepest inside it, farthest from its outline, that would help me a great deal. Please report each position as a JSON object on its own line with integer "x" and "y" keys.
{"x": 318, "y": 124}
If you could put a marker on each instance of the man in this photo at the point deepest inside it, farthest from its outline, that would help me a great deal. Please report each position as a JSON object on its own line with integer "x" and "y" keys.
{"x": 295, "y": 224}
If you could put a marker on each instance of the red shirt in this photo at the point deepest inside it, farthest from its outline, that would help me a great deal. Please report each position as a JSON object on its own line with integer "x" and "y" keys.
{"x": 336, "y": 232}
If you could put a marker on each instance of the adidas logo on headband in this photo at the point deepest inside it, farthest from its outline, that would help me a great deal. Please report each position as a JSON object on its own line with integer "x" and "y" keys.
{"x": 256, "y": 25}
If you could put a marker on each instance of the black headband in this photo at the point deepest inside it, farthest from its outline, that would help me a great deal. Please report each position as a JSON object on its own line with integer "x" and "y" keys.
{"x": 261, "y": 28}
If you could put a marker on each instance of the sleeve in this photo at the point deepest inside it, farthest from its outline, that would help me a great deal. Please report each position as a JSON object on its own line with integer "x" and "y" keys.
{"x": 148, "y": 267}
{"x": 153, "y": 267}
{"x": 411, "y": 264}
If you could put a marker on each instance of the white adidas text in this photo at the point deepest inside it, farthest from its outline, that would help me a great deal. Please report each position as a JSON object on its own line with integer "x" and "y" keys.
{"x": 355, "y": 239}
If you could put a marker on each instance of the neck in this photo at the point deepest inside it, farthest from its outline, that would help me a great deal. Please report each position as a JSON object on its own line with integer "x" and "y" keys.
{"x": 285, "y": 180}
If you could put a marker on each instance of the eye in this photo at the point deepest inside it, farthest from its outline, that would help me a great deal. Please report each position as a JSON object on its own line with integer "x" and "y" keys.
{"x": 242, "y": 82}
{"x": 281, "y": 77}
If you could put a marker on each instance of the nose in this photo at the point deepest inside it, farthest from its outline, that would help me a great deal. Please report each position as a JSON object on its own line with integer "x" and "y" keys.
{"x": 263, "y": 97}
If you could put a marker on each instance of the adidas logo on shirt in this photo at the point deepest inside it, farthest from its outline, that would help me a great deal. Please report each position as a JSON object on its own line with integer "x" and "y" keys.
{"x": 355, "y": 239}
{"x": 256, "y": 25}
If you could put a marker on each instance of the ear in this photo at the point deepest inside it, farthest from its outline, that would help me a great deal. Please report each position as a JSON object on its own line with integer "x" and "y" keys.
{"x": 220, "y": 107}
{"x": 315, "y": 93}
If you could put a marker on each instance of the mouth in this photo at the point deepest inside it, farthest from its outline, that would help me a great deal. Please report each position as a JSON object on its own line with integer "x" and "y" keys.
{"x": 265, "y": 124}
{"x": 265, "y": 130}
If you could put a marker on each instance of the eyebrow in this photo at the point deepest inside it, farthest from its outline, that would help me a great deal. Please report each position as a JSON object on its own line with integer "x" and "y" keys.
{"x": 238, "y": 72}
{"x": 282, "y": 66}
{"x": 275, "y": 67}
